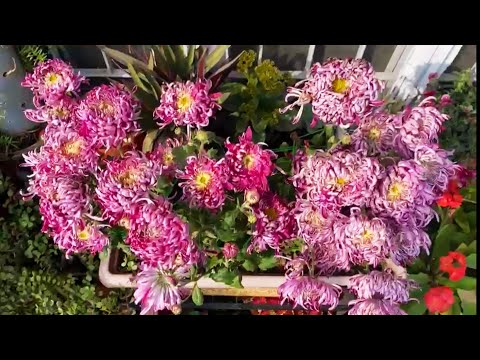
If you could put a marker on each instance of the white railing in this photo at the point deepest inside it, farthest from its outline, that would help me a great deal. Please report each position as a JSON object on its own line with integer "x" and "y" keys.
{"x": 406, "y": 73}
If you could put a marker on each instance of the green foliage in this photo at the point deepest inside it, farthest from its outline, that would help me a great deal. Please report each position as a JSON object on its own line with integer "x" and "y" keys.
{"x": 32, "y": 55}
{"x": 256, "y": 103}
{"x": 36, "y": 278}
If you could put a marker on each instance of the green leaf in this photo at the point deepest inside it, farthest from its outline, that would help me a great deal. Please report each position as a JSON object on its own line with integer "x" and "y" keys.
{"x": 213, "y": 58}
{"x": 149, "y": 140}
{"x": 125, "y": 59}
{"x": 228, "y": 277}
{"x": 212, "y": 262}
{"x": 258, "y": 137}
{"x": 249, "y": 265}
{"x": 416, "y": 307}
{"x": 441, "y": 244}
{"x": 469, "y": 301}
{"x": 267, "y": 262}
{"x": 417, "y": 266}
{"x": 241, "y": 124}
{"x": 223, "y": 98}
{"x": 472, "y": 261}
{"x": 197, "y": 296}
{"x": 466, "y": 283}
{"x": 462, "y": 220}
{"x": 472, "y": 248}
{"x": 190, "y": 56}
{"x": 422, "y": 279}
{"x": 285, "y": 164}
{"x": 472, "y": 220}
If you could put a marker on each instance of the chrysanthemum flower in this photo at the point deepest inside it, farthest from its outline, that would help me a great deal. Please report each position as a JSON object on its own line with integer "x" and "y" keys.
{"x": 66, "y": 152}
{"x": 375, "y": 134}
{"x": 404, "y": 196}
{"x": 374, "y": 307}
{"x": 56, "y": 112}
{"x": 339, "y": 179}
{"x": 205, "y": 182}
{"x": 80, "y": 236}
{"x": 367, "y": 240}
{"x": 435, "y": 167}
{"x": 159, "y": 288}
{"x": 418, "y": 126}
{"x": 310, "y": 293}
{"x": 342, "y": 92}
{"x": 125, "y": 181}
{"x": 159, "y": 237}
{"x": 187, "y": 104}
{"x": 381, "y": 285}
{"x": 407, "y": 242}
{"x": 248, "y": 166}
{"x": 51, "y": 80}
{"x": 110, "y": 114}
{"x": 163, "y": 156}
{"x": 274, "y": 224}
{"x": 230, "y": 250}
{"x": 310, "y": 220}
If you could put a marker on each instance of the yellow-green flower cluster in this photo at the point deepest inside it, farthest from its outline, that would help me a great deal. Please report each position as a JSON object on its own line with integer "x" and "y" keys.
{"x": 246, "y": 61}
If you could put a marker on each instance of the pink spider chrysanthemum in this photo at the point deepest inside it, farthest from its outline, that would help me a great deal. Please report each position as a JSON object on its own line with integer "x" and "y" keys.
{"x": 163, "y": 155}
{"x": 58, "y": 111}
{"x": 205, "y": 182}
{"x": 274, "y": 223}
{"x": 335, "y": 180}
{"x": 374, "y": 134}
{"x": 52, "y": 80}
{"x": 374, "y": 307}
{"x": 367, "y": 240}
{"x": 160, "y": 288}
{"x": 65, "y": 152}
{"x": 435, "y": 167}
{"x": 311, "y": 220}
{"x": 417, "y": 126}
{"x": 80, "y": 236}
{"x": 403, "y": 196}
{"x": 187, "y": 103}
{"x": 248, "y": 165}
{"x": 381, "y": 285}
{"x": 159, "y": 237}
{"x": 407, "y": 243}
{"x": 125, "y": 181}
{"x": 342, "y": 92}
{"x": 110, "y": 114}
{"x": 310, "y": 293}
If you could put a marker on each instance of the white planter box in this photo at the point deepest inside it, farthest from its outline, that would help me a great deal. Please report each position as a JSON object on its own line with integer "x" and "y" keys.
{"x": 253, "y": 285}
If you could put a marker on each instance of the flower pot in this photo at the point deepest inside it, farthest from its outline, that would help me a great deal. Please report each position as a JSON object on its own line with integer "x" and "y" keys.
{"x": 260, "y": 285}
{"x": 14, "y": 98}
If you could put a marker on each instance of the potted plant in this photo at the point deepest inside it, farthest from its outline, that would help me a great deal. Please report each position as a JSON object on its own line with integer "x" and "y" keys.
{"x": 341, "y": 198}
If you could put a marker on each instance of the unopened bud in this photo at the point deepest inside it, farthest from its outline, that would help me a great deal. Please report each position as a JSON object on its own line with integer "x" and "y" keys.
{"x": 201, "y": 136}
{"x": 177, "y": 131}
{"x": 251, "y": 219}
{"x": 252, "y": 197}
{"x": 176, "y": 309}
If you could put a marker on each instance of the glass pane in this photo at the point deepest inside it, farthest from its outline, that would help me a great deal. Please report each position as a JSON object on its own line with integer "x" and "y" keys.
{"x": 84, "y": 56}
{"x": 467, "y": 56}
{"x": 323, "y": 52}
{"x": 287, "y": 57}
{"x": 234, "y": 50}
{"x": 379, "y": 55}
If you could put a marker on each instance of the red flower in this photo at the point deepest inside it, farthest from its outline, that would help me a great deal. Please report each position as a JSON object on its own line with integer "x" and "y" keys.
{"x": 429, "y": 93}
{"x": 455, "y": 264}
{"x": 439, "y": 299}
{"x": 451, "y": 198}
{"x": 432, "y": 76}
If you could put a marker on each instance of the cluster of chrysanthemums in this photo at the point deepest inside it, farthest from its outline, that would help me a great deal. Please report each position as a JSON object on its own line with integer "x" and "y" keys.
{"x": 357, "y": 205}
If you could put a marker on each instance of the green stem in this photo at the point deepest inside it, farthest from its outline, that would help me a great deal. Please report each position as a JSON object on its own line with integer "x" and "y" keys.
{"x": 470, "y": 201}
{"x": 312, "y": 133}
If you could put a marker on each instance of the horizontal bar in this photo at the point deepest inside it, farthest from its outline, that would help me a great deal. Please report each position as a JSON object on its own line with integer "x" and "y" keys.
{"x": 250, "y": 306}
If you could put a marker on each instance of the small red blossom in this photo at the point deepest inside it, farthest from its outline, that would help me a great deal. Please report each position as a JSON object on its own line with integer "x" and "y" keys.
{"x": 451, "y": 198}
{"x": 455, "y": 264}
{"x": 439, "y": 299}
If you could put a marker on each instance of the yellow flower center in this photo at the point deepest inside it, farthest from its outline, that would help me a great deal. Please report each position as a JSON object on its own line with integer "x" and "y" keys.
{"x": 271, "y": 213}
{"x": 395, "y": 191}
{"x": 184, "y": 102}
{"x": 51, "y": 79}
{"x": 374, "y": 133}
{"x": 168, "y": 158}
{"x": 248, "y": 161}
{"x": 59, "y": 112}
{"x": 106, "y": 108}
{"x": 128, "y": 177}
{"x": 341, "y": 181}
{"x": 83, "y": 235}
{"x": 73, "y": 147}
{"x": 339, "y": 85}
{"x": 202, "y": 180}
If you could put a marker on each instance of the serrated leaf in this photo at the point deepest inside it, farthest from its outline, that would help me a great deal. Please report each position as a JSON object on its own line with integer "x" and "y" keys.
{"x": 197, "y": 296}
{"x": 466, "y": 283}
{"x": 462, "y": 220}
{"x": 216, "y": 55}
{"x": 149, "y": 140}
{"x": 472, "y": 261}
{"x": 267, "y": 262}
{"x": 469, "y": 301}
{"x": 249, "y": 265}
